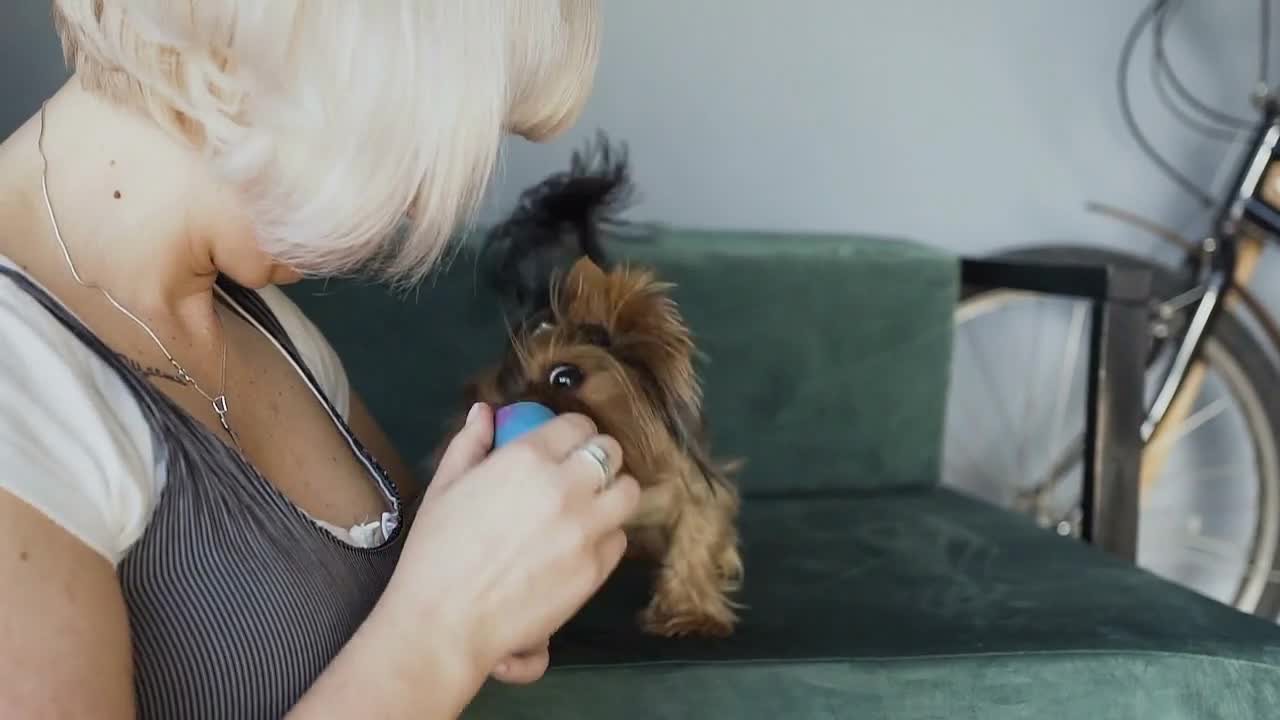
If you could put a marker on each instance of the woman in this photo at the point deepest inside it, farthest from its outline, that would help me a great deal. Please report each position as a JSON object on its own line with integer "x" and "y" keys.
{"x": 194, "y": 519}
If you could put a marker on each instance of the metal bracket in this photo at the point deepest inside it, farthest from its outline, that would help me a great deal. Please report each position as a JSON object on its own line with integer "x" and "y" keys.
{"x": 1120, "y": 335}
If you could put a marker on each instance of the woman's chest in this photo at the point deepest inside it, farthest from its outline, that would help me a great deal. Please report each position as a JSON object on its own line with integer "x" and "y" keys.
{"x": 236, "y": 601}
{"x": 289, "y": 435}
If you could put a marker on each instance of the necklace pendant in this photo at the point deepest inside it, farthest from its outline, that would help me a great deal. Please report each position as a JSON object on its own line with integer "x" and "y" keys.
{"x": 220, "y": 407}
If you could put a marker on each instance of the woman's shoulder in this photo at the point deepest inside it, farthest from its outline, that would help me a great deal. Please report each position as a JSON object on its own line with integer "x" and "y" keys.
{"x": 73, "y": 442}
{"x": 37, "y": 341}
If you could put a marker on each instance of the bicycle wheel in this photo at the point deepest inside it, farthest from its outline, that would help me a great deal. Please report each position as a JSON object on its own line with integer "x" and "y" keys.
{"x": 1211, "y": 521}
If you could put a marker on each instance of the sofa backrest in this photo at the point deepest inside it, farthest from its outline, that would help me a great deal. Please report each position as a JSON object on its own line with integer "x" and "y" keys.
{"x": 827, "y": 357}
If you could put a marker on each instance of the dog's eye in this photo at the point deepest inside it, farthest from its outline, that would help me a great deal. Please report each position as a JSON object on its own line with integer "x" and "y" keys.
{"x": 565, "y": 377}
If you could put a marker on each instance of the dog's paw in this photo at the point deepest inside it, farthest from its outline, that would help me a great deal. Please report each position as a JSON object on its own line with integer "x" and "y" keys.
{"x": 656, "y": 621}
{"x": 729, "y": 569}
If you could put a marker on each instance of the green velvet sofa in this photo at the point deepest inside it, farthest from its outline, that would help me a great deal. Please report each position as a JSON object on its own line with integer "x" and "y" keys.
{"x": 872, "y": 592}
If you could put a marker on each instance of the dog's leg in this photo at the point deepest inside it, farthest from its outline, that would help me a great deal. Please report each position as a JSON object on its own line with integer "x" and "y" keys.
{"x": 701, "y": 568}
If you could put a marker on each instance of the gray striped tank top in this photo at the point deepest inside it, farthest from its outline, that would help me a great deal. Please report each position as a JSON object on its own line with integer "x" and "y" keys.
{"x": 237, "y": 600}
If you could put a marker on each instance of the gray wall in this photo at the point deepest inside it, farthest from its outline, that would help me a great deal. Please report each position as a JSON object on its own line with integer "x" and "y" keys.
{"x": 971, "y": 125}
{"x": 30, "y": 60}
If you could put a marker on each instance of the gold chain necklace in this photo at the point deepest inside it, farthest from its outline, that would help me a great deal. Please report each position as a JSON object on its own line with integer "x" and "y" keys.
{"x": 218, "y": 401}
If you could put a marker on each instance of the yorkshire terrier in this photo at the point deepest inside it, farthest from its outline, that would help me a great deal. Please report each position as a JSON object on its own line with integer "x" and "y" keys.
{"x": 610, "y": 343}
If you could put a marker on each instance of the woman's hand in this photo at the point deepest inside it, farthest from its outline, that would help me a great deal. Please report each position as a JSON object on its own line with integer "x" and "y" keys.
{"x": 506, "y": 547}
{"x": 463, "y": 453}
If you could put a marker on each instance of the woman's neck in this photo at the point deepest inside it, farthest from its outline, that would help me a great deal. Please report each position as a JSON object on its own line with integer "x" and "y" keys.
{"x": 138, "y": 211}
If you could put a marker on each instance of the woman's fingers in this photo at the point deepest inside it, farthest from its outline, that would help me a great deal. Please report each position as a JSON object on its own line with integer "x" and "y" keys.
{"x": 523, "y": 668}
{"x": 588, "y": 461}
{"x": 614, "y": 506}
{"x": 590, "y": 472}
{"x": 559, "y": 436}
{"x": 608, "y": 554}
{"x": 472, "y": 443}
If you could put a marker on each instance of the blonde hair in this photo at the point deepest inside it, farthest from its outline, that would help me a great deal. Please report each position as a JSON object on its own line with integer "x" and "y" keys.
{"x": 336, "y": 118}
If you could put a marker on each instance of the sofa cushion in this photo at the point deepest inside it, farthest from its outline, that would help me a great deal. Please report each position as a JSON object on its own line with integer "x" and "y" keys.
{"x": 913, "y": 605}
{"x": 823, "y": 352}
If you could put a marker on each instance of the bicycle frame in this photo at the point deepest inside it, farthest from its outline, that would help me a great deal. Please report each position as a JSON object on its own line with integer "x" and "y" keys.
{"x": 1250, "y": 210}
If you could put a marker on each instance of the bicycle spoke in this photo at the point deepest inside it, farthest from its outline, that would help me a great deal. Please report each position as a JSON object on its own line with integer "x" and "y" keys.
{"x": 1225, "y": 472}
{"x": 990, "y": 384}
{"x": 1217, "y": 548}
{"x": 1193, "y": 422}
{"x": 1028, "y": 406}
{"x": 1075, "y": 338}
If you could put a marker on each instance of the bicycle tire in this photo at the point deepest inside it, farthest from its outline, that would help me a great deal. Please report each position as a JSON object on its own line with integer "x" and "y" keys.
{"x": 1233, "y": 338}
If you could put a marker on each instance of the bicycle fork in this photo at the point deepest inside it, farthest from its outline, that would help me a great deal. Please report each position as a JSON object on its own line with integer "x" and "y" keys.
{"x": 1227, "y": 261}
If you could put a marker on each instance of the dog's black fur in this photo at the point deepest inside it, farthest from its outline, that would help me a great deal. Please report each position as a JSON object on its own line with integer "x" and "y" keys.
{"x": 556, "y": 222}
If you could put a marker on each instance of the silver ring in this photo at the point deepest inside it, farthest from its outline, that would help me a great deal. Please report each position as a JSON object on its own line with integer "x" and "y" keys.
{"x": 601, "y": 458}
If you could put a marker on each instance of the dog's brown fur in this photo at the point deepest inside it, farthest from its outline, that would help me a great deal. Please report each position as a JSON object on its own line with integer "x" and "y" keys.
{"x": 625, "y": 335}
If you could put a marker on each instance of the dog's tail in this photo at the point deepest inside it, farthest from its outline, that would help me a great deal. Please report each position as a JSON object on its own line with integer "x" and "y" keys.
{"x": 558, "y": 221}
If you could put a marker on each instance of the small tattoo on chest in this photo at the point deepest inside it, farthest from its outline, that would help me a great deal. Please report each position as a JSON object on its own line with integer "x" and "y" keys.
{"x": 149, "y": 371}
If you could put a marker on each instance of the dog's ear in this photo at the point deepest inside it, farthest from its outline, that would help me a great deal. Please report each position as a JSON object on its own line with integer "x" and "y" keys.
{"x": 585, "y": 279}
{"x": 588, "y": 271}
{"x": 584, "y": 291}
{"x": 583, "y": 295}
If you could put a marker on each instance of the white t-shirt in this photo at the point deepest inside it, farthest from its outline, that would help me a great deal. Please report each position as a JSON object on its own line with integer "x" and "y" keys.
{"x": 73, "y": 441}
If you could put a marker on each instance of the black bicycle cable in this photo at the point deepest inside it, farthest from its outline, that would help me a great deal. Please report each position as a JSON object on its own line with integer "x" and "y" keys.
{"x": 1197, "y": 125}
{"x": 1264, "y": 43}
{"x": 1147, "y": 17}
{"x": 1163, "y": 14}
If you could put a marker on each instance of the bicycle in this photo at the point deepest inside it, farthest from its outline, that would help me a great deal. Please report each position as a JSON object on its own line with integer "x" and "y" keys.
{"x": 1213, "y": 372}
